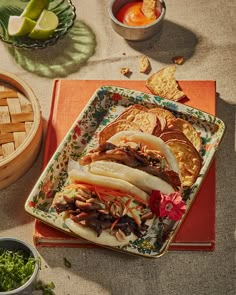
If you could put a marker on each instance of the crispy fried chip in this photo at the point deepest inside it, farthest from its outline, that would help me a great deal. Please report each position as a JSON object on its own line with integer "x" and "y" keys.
{"x": 163, "y": 84}
{"x": 144, "y": 64}
{"x": 149, "y": 8}
{"x": 160, "y": 126}
{"x": 174, "y": 134}
{"x": 189, "y": 131}
{"x": 189, "y": 160}
{"x": 162, "y": 121}
{"x": 140, "y": 115}
{"x": 113, "y": 128}
{"x": 160, "y": 112}
{"x": 146, "y": 122}
{"x": 132, "y": 110}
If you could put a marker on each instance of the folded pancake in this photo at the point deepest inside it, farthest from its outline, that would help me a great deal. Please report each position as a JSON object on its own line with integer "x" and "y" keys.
{"x": 105, "y": 238}
{"x": 140, "y": 179}
{"x": 108, "y": 182}
{"x": 103, "y": 210}
{"x": 147, "y": 161}
{"x": 150, "y": 141}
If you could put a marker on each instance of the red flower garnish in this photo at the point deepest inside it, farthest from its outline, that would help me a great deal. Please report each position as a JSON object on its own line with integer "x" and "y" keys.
{"x": 155, "y": 200}
{"x": 116, "y": 97}
{"x": 171, "y": 206}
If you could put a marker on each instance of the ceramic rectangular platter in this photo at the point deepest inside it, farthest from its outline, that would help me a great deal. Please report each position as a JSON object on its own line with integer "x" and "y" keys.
{"x": 103, "y": 107}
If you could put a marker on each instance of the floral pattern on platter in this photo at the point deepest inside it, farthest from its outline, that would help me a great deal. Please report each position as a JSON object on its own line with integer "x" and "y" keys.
{"x": 104, "y": 106}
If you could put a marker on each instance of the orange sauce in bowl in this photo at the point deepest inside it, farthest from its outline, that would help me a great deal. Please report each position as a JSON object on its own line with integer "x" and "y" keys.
{"x": 131, "y": 15}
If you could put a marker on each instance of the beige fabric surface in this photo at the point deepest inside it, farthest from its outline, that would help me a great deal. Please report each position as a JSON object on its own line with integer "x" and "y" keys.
{"x": 203, "y": 32}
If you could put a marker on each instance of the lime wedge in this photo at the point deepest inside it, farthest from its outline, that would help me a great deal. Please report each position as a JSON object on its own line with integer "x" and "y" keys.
{"x": 20, "y": 25}
{"x": 45, "y": 25}
{"x": 34, "y": 8}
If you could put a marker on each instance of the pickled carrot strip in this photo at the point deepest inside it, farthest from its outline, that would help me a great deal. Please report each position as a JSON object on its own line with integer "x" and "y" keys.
{"x": 107, "y": 191}
{"x": 114, "y": 223}
{"x": 134, "y": 217}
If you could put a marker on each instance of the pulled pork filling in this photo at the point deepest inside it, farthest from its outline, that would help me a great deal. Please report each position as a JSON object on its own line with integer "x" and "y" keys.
{"x": 120, "y": 215}
{"x": 138, "y": 157}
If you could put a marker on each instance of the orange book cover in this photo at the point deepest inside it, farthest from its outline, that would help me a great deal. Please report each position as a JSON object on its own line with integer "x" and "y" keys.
{"x": 69, "y": 97}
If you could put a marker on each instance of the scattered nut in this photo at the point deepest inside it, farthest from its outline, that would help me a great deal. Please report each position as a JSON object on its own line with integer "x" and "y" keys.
{"x": 87, "y": 206}
{"x": 144, "y": 64}
{"x": 116, "y": 210}
{"x": 124, "y": 71}
{"x": 120, "y": 235}
{"x": 178, "y": 60}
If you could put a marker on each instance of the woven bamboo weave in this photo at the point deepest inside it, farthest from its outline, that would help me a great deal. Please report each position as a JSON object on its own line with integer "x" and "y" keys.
{"x": 20, "y": 128}
{"x": 16, "y": 119}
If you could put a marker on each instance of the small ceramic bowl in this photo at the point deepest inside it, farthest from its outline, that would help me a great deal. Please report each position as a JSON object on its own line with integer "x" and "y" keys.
{"x": 15, "y": 244}
{"x": 135, "y": 33}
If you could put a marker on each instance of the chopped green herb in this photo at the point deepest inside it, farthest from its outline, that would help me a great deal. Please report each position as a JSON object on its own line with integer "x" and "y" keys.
{"x": 16, "y": 267}
{"x": 46, "y": 288}
{"x": 67, "y": 262}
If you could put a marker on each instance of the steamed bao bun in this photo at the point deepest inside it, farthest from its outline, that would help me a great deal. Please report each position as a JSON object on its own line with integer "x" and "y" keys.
{"x": 150, "y": 141}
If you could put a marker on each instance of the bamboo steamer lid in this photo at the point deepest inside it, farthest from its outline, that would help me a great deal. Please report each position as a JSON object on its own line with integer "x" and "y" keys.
{"x": 20, "y": 128}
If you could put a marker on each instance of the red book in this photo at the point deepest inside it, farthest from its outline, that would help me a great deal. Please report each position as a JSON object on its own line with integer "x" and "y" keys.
{"x": 69, "y": 97}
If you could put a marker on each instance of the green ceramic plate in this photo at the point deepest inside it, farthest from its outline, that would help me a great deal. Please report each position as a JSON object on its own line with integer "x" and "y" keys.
{"x": 64, "y": 9}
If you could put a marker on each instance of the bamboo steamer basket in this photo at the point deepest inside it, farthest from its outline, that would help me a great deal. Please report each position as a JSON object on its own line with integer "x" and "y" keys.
{"x": 20, "y": 128}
